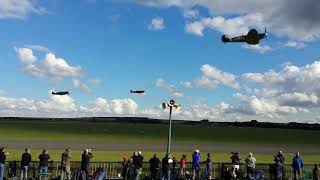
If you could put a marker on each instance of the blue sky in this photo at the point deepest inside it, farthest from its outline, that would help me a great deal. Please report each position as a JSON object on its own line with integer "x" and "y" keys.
{"x": 99, "y": 50}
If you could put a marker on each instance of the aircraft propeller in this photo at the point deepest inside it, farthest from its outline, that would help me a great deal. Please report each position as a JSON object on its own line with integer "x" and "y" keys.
{"x": 265, "y": 33}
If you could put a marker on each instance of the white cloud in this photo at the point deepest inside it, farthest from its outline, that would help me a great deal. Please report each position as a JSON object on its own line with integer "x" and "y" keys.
{"x": 64, "y": 106}
{"x": 104, "y": 107}
{"x": 38, "y": 48}
{"x": 289, "y": 79}
{"x": 261, "y": 48}
{"x": 94, "y": 81}
{"x": 169, "y": 87}
{"x": 33, "y": 70}
{"x": 195, "y": 28}
{"x": 232, "y": 27}
{"x": 59, "y": 67}
{"x": 295, "y": 44}
{"x": 26, "y": 55}
{"x": 191, "y": 13}
{"x": 19, "y": 8}
{"x": 27, "y": 107}
{"x": 81, "y": 86}
{"x": 156, "y": 24}
{"x": 294, "y": 19}
{"x": 212, "y": 78}
{"x": 253, "y": 105}
{"x": 51, "y": 66}
{"x": 292, "y": 89}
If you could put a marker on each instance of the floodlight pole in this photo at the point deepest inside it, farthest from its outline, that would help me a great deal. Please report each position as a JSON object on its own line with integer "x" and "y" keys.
{"x": 169, "y": 133}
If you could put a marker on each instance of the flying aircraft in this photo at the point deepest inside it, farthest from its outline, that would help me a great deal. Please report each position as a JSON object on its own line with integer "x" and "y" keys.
{"x": 253, "y": 37}
{"x": 60, "y": 93}
{"x": 137, "y": 92}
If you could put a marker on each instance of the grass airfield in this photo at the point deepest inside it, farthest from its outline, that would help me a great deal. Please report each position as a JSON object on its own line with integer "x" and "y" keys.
{"x": 112, "y": 141}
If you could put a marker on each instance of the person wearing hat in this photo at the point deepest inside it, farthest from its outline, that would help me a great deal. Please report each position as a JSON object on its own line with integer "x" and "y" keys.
{"x": 250, "y": 164}
{"x": 3, "y": 157}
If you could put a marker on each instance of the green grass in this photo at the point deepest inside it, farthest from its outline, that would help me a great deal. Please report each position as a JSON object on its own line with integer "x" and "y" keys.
{"x": 117, "y": 156}
{"x": 76, "y": 131}
{"x": 182, "y": 134}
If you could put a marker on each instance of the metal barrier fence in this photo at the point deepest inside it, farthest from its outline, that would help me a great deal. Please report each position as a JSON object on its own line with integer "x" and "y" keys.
{"x": 114, "y": 169}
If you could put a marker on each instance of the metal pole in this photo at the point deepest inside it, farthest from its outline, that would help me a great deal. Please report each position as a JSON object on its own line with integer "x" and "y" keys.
{"x": 169, "y": 133}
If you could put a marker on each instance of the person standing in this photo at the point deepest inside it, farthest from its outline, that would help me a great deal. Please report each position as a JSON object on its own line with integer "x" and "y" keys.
{"x": 278, "y": 169}
{"x": 183, "y": 166}
{"x": 44, "y": 162}
{"x": 3, "y": 157}
{"x": 130, "y": 170}
{"x": 139, "y": 165}
{"x": 136, "y": 165}
{"x": 297, "y": 165}
{"x": 124, "y": 167}
{"x": 281, "y": 157}
{"x": 250, "y": 164}
{"x": 165, "y": 168}
{"x": 154, "y": 167}
{"x": 85, "y": 161}
{"x": 235, "y": 161}
{"x": 209, "y": 166}
{"x": 196, "y": 164}
{"x": 315, "y": 172}
{"x": 25, "y": 162}
{"x": 65, "y": 165}
{"x": 174, "y": 170}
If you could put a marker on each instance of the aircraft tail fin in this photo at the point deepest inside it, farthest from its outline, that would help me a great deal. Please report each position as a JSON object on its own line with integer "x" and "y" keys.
{"x": 224, "y": 39}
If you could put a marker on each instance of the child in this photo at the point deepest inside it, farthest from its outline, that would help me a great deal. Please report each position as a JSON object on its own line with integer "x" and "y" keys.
{"x": 183, "y": 166}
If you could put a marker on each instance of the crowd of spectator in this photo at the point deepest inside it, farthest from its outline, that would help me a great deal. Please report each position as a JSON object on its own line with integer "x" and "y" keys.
{"x": 168, "y": 168}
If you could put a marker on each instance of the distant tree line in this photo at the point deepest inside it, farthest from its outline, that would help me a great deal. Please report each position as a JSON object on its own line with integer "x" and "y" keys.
{"x": 144, "y": 120}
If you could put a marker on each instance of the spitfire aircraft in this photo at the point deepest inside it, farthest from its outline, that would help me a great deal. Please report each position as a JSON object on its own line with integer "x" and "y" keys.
{"x": 60, "y": 93}
{"x": 253, "y": 37}
{"x": 137, "y": 92}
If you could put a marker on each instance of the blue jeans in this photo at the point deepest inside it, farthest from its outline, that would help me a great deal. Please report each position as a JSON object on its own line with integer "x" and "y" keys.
{"x": 1, "y": 171}
{"x": 43, "y": 169}
{"x": 165, "y": 175}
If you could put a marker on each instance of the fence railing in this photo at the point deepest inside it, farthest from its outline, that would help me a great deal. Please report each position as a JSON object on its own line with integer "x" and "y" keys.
{"x": 114, "y": 169}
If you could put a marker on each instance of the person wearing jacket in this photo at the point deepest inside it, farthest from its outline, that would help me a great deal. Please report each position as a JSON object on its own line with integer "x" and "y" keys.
{"x": 174, "y": 170}
{"x": 315, "y": 172}
{"x": 209, "y": 166}
{"x": 44, "y": 162}
{"x": 278, "y": 169}
{"x": 3, "y": 157}
{"x": 250, "y": 164}
{"x": 235, "y": 161}
{"x": 154, "y": 167}
{"x": 25, "y": 162}
{"x": 297, "y": 165}
{"x": 165, "y": 168}
{"x": 196, "y": 164}
{"x": 85, "y": 161}
{"x": 139, "y": 165}
{"x": 65, "y": 165}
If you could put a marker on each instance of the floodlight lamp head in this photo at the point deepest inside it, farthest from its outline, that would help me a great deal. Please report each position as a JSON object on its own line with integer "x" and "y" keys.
{"x": 172, "y": 102}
